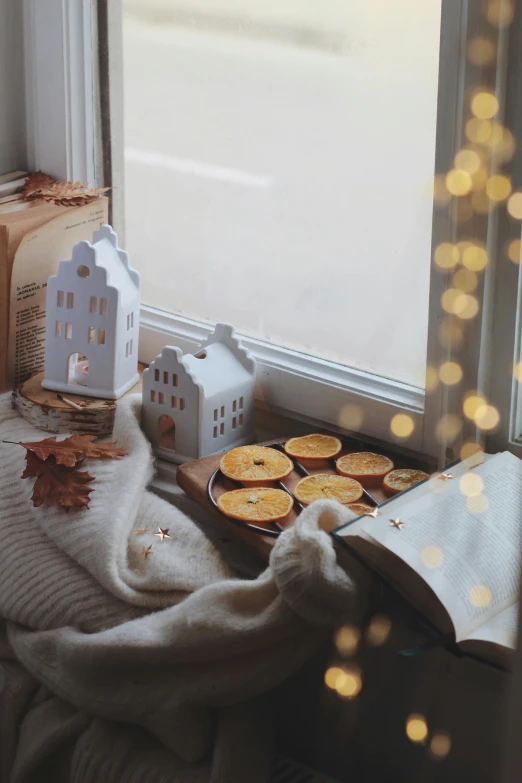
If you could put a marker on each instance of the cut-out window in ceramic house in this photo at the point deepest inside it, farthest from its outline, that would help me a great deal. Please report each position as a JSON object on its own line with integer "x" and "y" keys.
{"x": 95, "y": 290}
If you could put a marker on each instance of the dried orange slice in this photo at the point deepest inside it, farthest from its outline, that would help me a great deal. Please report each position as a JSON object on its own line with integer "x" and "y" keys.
{"x": 255, "y": 463}
{"x": 314, "y": 446}
{"x": 256, "y": 504}
{"x": 365, "y": 466}
{"x": 359, "y": 508}
{"x": 327, "y": 485}
{"x": 401, "y": 479}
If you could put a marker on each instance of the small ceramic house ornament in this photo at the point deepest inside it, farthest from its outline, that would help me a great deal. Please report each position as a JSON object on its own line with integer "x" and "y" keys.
{"x": 91, "y": 342}
{"x": 200, "y": 404}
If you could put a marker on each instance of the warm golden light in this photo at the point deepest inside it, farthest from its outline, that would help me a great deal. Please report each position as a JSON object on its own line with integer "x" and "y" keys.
{"x": 479, "y": 179}
{"x": 350, "y": 685}
{"x": 450, "y": 373}
{"x": 446, "y": 255}
{"x": 402, "y": 425}
{"x": 448, "y": 427}
{"x": 347, "y": 639}
{"x": 432, "y": 378}
{"x": 332, "y": 676}
{"x": 480, "y": 596}
{"x": 472, "y": 404}
{"x": 474, "y": 258}
{"x": 378, "y": 630}
{"x": 351, "y": 417}
{"x": 417, "y": 728}
{"x": 465, "y": 280}
{"x": 514, "y": 206}
{"x": 467, "y": 160}
{"x": 441, "y": 194}
{"x": 498, "y": 187}
{"x": 432, "y": 556}
{"x": 480, "y": 203}
{"x": 479, "y": 131}
{"x": 517, "y": 372}
{"x": 513, "y": 251}
{"x": 487, "y": 417}
{"x": 469, "y": 449}
{"x": 505, "y": 147}
{"x": 481, "y": 51}
{"x": 440, "y": 744}
{"x": 484, "y": 105}
{"x": 471, "y": 484}
{"x": 477, "y": 504}
{"x": 458, "y": 182}
{"x": 450, "y": 334}
{"x": 458, "y": 303}
{"x": 500, "y": 13}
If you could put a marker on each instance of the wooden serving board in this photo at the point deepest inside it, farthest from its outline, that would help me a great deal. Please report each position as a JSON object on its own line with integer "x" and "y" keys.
{"x": 194, "y": 477}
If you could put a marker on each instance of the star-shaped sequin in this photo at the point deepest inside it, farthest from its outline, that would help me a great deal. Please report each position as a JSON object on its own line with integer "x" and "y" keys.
{"x": 146, "y": 551}
{"x": 141, "y": 531}
{"x": 163, "y": 533}
{"x": 397, "y": 523}
{"x": 374, "y": 513}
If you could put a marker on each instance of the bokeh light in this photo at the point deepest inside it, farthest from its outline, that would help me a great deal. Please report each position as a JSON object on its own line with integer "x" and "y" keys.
{"x": 470, "y": 448}
{"x": 484, "y": 105}
{"x": 517, "y": 372}
{"x": 498, "y": 187}
{"x": 347, "y": 639}
{"x": 465, "y": 280}
{"x": 432, "y": 556}
{"x": 458, "y": 303}
{"x": 417, "y": 728}
{"x": 432, "y": 378}
{"x": 480, "y": 596}
{"x": 481, "y": 51}
{"x": 479, "y": 179}
{"x": 450, "y": 373}
{"x": 487, "y": 417}
{"x": 450, "y": 334}
{"x": 446, "y": 255}
{"x": 402, "y": 425}
{"x": 458, "y": 182}
{"x": 478, "y": 131}
{"x": 514, "y": 206}
{"x": 441, "y": 194}
{"x": 500, "y": 13}
{"x": 378, "y": 630}
{"x": 471, "y": 405}
{"x": 471, "y": 484}
{"x": 467, "y": 160}
{"x": 513, "y": 251}
{"x": 448, "y": 427}
{"x": 351, "y": 417}
{"x": 477, "y": 504}
{"x": 350, "y": 684}
{"x": 474, "y": 258}
{"x": 332, "y": 676}
{"x": 440, "y": 744}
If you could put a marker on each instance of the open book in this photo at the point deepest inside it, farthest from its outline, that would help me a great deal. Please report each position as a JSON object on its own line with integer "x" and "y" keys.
{"x": 457, "y": 556}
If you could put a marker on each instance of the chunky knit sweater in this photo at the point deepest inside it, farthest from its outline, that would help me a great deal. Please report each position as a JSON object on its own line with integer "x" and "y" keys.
{"x": 115, "y": 667}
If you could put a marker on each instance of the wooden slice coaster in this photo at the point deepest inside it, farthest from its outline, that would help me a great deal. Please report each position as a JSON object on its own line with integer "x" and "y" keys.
{"x": 44, "y": 410}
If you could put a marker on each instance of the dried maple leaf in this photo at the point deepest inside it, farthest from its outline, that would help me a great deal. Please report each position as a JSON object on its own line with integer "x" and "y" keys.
{"x": 73, "y": 449}
{"x": 57, "y": 485}
{"x": 35, "y": 183}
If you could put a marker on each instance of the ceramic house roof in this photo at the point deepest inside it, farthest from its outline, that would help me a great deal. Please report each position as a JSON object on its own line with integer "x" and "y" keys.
{"x": 108, "y": 256}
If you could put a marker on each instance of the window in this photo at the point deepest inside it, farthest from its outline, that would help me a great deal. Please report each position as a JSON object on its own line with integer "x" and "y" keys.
{"x": 234, "y": 423}
{"x": 128, "y": 321}
{"x": 222, "y": 411}
{"x": 58, "y": 328}
{"x": 152, "y": 395}
{"x": 156, "y": 375}
{"x": 165, "y": 376}
{"x": 215, "y": 432}
{"x": 70, "y": 300}
{"x": 222, "y": 429}
{"x": 68, "y": 330}
{"x": 92, "y": 334}
{"x": 103, "y": 306}
{"x": 130, "y": 347}
{"x": 132, "y": 320}
{"x": 240, "y": 419}
{"x": 215, "y": 414}
{"x": 101, "y": 336}
{"x": 240, "y": 403}
{"x": 161, "y": 398}
{"x": 59, "y": 299}
{"x": 181, "y": 404}
{"x": 174, "y": 402}
{"x": 93, "y": 304}
{"x": 234, "y": 406}
{"x": 126, "y": 349}
{"x": 174, "y": 380}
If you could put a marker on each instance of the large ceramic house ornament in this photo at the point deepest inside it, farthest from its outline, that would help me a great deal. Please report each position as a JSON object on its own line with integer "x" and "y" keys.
{"x": 92, "y": 321}
{"x": 199, "y": 404}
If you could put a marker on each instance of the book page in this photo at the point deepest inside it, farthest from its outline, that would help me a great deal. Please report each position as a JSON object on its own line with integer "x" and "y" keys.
{"x": 470, "y": 559}
{"x": 36, "y": 259}
{"x": 501, "y": 629}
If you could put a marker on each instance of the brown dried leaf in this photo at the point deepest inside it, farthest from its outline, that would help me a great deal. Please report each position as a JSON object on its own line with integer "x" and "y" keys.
{"x": 68, "y": 194}
{"x": 35, "y": 183}
{"x": 73, "y": 449}
{"x": 57, "y": 485}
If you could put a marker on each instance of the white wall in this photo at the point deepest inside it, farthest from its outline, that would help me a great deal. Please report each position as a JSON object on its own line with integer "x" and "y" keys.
{"x": 12, "y": 107}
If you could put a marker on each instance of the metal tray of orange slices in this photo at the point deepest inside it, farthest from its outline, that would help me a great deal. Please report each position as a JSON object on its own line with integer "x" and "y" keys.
{"x": 301, "y": 475}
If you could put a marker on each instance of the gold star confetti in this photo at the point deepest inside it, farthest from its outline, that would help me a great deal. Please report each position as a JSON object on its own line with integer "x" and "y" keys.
{"x": 163, "y": 533}
{"x": 146, "y": 551}
{"x": 446, "y": 476}
{"x": 374, "y": 513}
{"x": 141, "y": 531}
{"x": 398, "y": 523}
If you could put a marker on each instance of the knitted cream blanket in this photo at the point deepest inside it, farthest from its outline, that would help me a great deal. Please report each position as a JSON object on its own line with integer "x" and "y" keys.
{"x": 116, "y": 668}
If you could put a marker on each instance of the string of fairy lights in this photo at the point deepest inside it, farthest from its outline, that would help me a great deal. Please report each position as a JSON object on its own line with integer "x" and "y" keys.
{"x": 474, "y": 185}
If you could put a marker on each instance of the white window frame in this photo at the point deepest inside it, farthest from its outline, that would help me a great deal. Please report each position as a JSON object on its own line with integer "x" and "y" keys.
{"x": 65, "y": 139}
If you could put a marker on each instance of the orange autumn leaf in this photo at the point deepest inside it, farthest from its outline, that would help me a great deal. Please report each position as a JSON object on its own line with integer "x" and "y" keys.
{"x": 73, "y": 449}
{"x": 68, "y": 194}
{"x": 34, "y": 183}
{"x": 57, "y": 485}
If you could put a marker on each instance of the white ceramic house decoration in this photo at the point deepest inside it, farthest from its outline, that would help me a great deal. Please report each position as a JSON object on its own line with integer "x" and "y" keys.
{"x": 92, "y": 321}
{"x": 199, "y": 404}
